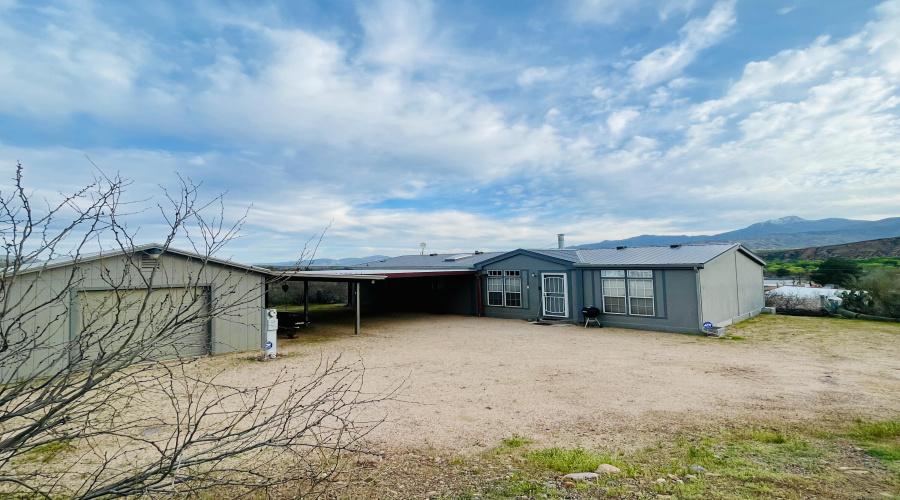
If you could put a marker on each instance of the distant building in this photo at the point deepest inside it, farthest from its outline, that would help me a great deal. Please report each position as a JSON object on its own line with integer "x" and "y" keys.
{"x": 804, "y": 297}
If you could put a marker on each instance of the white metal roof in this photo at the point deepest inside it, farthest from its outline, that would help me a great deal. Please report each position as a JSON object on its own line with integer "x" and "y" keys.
{"x": 805, "y": 292}
{"x": 368, "y": 274}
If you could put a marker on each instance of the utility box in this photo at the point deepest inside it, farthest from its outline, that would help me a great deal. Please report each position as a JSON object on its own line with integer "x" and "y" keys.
{"x": 271, "y": 344}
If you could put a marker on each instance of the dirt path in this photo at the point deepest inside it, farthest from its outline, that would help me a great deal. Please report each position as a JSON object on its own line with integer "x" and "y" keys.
{"x": 470, "y": 382}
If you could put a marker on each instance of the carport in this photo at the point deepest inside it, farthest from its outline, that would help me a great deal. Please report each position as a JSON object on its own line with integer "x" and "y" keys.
{"x": 387, "y": 289}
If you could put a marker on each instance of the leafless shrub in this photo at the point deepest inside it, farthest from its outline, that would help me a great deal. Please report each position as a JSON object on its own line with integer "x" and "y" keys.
{"x": 792, "y": 302}
{"x": 87, "y": 407}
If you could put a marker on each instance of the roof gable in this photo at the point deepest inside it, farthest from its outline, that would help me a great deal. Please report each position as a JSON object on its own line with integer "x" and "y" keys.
{"x": 89, "y": 257}
{"x": 565, "y": 257}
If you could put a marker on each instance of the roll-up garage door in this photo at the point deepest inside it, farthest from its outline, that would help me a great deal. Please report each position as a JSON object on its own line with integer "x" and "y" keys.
{"x": 168, "y": 323}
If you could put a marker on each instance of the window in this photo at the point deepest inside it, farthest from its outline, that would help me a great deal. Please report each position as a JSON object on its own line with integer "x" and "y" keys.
{"x": 495, "y": 288}
{"x": 512, "y": 283}
{"x": 640, "y": 297}
{"x": 504, "y": 288}
{"x": 614, "y": 295}
{"x": 628, "y": 292}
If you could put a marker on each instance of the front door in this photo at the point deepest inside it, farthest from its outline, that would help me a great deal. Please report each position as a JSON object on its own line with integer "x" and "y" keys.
{"x": 556, "y": 302}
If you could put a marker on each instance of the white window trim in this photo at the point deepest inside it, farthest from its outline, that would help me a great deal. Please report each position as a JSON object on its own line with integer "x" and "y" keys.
{"x": 652, "y": 299}
{"x": 603, "y": 297}
{"x": 652, "y": 280}
{"x": 503, "y": 276}
{"x": 508, "y": 276}
{"x": 565, "y": 294}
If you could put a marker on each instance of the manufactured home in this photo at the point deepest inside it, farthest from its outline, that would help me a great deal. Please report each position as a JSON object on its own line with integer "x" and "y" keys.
{"x": 674, "y": 288}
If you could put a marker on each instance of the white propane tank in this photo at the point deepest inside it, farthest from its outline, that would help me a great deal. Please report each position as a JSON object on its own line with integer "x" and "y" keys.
{"x": 271, "y": 333}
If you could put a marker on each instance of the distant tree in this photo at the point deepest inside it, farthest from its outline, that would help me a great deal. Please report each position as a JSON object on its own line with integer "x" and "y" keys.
{"x": 781, "y": 272}
{"x": 836, "y": 271}
{"x": 878, "y": 291}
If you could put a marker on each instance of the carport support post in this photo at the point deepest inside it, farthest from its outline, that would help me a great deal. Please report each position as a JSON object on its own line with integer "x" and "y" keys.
{"x": 305, "y": 303}
{"x": 356, "y": 301}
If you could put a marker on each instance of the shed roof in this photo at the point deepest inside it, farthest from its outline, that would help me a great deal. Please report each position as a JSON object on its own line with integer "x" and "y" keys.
{"x": 87, "y": 257}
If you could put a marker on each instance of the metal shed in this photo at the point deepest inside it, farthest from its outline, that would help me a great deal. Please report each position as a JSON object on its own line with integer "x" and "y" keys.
{"x": 69, "y": 310}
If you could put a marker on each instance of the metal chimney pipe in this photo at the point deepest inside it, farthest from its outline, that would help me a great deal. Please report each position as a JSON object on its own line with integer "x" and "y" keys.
{"x": 561, "y": 238}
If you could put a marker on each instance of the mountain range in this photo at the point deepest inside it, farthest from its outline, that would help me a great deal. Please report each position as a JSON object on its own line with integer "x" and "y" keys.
{"x": 350, "y": 261}
{"x": 786, "y": 232}
{"x": 885, "y": 247}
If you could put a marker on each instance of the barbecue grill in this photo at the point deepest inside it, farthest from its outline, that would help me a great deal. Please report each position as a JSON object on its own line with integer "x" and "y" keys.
{"x": 591, "y": 313}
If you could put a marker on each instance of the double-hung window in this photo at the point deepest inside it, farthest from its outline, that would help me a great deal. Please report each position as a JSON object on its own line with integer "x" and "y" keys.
{"x": 627, "y": 292}
{"x": 613, "y": 292}
{"x": 504, "y": 288}
{"x": 495, "y": 288}
{"x": 640, "y": 293}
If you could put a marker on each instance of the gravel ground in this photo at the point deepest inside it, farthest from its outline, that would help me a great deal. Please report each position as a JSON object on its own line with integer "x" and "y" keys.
{"x": 469, "y": 382}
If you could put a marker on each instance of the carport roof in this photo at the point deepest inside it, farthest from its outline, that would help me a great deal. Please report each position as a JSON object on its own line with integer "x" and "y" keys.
{"x": 368, "y": 274}
{"x": 430, "y": 261}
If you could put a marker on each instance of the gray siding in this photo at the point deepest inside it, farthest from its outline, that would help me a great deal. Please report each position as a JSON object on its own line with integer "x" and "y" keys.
{"x": 238, "y": 292}
{"x": 675, "y": 302}
{"x": 731, "y": 289}
{"x": 531, "y": 285}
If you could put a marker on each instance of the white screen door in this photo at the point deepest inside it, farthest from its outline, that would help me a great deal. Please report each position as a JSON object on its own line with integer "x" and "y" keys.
{"x": 556, "y": 302}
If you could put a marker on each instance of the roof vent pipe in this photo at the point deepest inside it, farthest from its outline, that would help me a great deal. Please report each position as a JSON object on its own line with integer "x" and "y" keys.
{"x": 561, "y": 239}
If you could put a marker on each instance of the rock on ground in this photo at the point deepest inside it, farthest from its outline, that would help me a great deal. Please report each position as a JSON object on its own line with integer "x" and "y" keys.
{"x": 582, "y": 476}
{"x": 608, "y": 469}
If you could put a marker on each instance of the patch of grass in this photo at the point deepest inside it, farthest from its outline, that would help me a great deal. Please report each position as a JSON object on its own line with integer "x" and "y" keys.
{"x": 880, "y": 440}
{"x": 567, "y": 460}
{"x": 513, "y": 487}
{"x": 769, "y": 436}
{"x": 45, "y": 453}
{"x": 516, "y": 441}
{"x": 874, "y": 431}
{"x": 888, "y": 452}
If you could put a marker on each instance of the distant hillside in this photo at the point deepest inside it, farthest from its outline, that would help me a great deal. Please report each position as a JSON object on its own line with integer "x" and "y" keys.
{"x": 885, "y": 247}
{"x": 323, "y": 262}
{"x": 786, "y": 232}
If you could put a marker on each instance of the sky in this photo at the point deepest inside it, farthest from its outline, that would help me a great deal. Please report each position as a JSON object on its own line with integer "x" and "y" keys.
{"x": 466, "y": 124}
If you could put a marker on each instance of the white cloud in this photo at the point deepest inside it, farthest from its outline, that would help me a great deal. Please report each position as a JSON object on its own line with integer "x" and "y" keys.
{"x": 786, "y": 10}
{"x": 669, "y": 61}
{"x": 660, "y": 97}
{"x": 602, "y": 93}
{"x": 788, "y": 67}
{"x": 611, "y": 11}
{"x": 398, "y": 32}
{"x": 320, "y": 125}
{"x": 619, "y": 120}
{"x": 531, "y": 75}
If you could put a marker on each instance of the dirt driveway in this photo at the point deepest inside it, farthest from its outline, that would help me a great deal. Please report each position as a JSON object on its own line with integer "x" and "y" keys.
{"x": 470, "y": 382}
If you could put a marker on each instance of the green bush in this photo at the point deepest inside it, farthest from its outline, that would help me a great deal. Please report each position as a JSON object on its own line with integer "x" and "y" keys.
{"x": 877, "y": 293}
